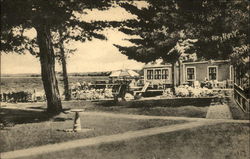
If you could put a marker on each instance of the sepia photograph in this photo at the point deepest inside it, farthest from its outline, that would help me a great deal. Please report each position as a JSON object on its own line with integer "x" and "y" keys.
{"x": 125, "y": 79}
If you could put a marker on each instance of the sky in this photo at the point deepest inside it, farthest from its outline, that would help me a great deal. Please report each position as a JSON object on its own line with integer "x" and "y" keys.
{"x": 91, "y": 56}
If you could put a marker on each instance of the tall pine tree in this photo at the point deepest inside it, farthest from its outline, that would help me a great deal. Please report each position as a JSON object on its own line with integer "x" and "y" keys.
{"x": 220, "y": 27}
{"x": 44, "y": 16}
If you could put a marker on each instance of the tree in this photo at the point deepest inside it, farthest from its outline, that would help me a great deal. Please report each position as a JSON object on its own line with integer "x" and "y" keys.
{"x": 44, "y": 16}
{"x": 223, "y": 32}
{"x": 160, "y": 30}
{"x": 64, "y": 35}
{"x": 220, "y": 26}
{"x": 185, "y": 51}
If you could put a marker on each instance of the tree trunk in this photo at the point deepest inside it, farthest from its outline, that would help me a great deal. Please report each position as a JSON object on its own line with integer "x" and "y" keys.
{"x": 65, "y": 74}
{"x": 47, "y": 60}
{"x": 173, "y": 78}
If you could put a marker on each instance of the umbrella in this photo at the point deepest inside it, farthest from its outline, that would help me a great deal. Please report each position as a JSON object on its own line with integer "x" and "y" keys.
{"x": 124, "y": 73}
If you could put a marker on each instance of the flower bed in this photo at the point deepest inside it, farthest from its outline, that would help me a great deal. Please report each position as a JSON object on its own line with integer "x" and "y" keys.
{"x": 188, "y": 91}
{"x": 92, "y": 94}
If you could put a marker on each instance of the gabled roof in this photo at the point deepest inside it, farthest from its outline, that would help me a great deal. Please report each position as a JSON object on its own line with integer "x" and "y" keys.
{"x": 157, "y": 63}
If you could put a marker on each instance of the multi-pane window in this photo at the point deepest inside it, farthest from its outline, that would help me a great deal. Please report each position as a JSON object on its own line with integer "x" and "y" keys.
{"x": 158, "y": 74}
{"x": 165, "y": 74}
{"x": 149, "y": 74}
{"x": 190, "y": 73}
{"x": 212, "y": 73}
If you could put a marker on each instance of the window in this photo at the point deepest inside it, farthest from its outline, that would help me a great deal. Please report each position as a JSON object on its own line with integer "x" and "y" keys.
{"x": 149, "y": 74}
{"x": 158, "y": 74}
{"x": 190, "y": 73}
{"x": 165, "y": 74}
{"x": 212, "y": 73}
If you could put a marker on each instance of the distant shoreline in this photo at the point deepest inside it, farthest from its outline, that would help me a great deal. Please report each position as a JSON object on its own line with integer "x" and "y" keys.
{"x": 73, "y": 74}
{"x": 57, "y": 77}
{"x": 18, "y": 77}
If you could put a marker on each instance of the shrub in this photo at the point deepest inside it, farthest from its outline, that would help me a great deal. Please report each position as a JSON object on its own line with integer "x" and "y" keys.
{"x": 188, "y": 91}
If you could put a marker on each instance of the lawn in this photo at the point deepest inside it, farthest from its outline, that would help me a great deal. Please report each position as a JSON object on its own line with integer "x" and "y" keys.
{"x": 47, "y": 132}
{"x": 221, "y": 141}
{"x": 35, "y": 127}
{"x": 184, "y": 111}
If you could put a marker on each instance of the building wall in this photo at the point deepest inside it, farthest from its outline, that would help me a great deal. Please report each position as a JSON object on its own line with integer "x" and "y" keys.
{"x": 158, "y": 81}
{"x": 223, "y": 70}
{"x": 201, "y": 72}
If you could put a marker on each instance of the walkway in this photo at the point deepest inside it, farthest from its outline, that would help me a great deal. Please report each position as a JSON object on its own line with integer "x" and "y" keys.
{"x": 132, "y": 116}
{"x": 219, "y": 112}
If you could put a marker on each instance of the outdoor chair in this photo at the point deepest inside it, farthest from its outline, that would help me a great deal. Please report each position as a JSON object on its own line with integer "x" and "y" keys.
{"x": 229, "y": 83}
{"x": 197, "y": 84}
{"x": 160, "y": 86}
{"x": 142, "y": 90}
{"x": 224, "y": 85}
{"x": 221, "y": 84}
{"x": 215, "y": 84}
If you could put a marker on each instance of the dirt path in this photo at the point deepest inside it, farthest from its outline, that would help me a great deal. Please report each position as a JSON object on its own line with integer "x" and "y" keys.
{"x": 100, "y": 139}
{"x": 219, "y": 112}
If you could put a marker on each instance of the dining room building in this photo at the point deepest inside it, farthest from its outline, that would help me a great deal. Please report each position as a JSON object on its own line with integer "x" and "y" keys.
{"x": 219, "y": 72}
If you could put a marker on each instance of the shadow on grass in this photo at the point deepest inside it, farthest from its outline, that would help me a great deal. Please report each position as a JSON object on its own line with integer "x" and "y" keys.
{"x": 39, "y": 108}
{"x": 168, "y": 102}
{"x": 11, "y": 117}
{"x": 107, "y": 103}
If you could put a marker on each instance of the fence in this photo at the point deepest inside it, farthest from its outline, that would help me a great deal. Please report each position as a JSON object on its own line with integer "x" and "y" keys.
{"x": 22, "y": 96}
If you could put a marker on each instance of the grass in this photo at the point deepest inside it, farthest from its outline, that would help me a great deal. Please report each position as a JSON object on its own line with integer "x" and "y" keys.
{"x": 227, "y": 141}
{"x": 185, "y": 111}
{"x": 11, "y": 117}
{"x": 215, "y": 141}
{"x": 35, "y": 134}
{"x": 157, "y": 110}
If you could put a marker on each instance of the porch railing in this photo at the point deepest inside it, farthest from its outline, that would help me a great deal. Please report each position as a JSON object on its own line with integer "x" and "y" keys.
{"x": 241, "y": 98}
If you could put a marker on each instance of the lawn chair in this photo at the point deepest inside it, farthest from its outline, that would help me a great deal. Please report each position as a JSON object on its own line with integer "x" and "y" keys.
{"x": 215, "y": 84}
{"x": 224, "y": 84}
{"x": 120, "y": 91}
{"x": 144, "y": 88}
